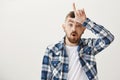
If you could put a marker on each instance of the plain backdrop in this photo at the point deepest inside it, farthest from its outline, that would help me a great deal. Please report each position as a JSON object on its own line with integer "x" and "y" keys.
{"x": 27, "y": 27}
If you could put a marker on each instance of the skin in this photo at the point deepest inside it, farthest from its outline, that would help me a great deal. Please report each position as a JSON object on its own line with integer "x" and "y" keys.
{"x": 73, "y": 27}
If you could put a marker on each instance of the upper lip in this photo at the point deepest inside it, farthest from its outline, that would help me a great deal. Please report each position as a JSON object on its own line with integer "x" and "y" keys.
{"x": 73, "y": 34}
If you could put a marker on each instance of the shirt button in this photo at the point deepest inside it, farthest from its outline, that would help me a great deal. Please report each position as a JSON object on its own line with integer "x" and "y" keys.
{"x": 66, "y": 67}
{"x": 89, "y": 77}
{"x": 54, "y": 64}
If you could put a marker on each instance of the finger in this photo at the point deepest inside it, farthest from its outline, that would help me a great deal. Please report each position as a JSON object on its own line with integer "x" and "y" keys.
{"x": 83, "y": 11}
{"x": 80, "y": 12}
{"x": 77, "y": 13}
{"x": 74, "y": 8}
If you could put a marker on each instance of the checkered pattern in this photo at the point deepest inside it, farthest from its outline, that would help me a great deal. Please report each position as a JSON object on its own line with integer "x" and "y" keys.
{"x": 55, "y": 64}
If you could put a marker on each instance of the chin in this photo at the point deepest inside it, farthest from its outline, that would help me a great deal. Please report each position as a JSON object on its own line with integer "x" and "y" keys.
{"x": 73, "y": 40}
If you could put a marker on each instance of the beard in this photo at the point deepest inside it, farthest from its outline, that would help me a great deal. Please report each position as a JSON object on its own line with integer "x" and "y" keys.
{"x": 74, "y": 38}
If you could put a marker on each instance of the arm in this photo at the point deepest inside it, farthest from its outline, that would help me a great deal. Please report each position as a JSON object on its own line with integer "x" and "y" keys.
{"x": 104, "y": 36}
{"x": 46, "y": 69}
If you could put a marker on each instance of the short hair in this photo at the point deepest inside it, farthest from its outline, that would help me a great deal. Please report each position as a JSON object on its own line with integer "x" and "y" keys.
{"x": 70, "y": 14}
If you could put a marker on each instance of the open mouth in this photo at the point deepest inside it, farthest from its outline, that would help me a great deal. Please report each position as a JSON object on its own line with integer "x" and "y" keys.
{"x": 73, "y": 34}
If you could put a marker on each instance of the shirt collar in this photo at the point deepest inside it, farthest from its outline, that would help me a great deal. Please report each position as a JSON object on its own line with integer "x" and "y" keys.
{"x": 61, "y": 44}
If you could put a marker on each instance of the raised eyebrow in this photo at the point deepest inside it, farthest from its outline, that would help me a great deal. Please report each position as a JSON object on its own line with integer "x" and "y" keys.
{"x": 70, "y": 20}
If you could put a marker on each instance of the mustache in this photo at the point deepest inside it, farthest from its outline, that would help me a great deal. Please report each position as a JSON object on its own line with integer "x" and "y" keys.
{"x": 73, "y": 32}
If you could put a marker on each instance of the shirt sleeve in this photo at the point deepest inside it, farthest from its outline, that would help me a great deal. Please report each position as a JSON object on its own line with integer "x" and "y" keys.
{"x": 46, "y": 68}
{"x": 104, "y": 39}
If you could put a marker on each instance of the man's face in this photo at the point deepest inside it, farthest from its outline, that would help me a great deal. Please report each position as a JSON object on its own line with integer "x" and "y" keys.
{"x": 73, "y": 30}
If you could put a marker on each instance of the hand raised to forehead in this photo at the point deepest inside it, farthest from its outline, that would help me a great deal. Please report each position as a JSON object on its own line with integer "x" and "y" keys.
{"x": 80, "y": 15}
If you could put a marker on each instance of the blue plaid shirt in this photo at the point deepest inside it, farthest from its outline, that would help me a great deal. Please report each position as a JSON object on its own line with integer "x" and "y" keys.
{"x": 55, "y": 65}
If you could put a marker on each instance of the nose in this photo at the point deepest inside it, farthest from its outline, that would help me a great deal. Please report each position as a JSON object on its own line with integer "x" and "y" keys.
{"x": 74, "y": 28}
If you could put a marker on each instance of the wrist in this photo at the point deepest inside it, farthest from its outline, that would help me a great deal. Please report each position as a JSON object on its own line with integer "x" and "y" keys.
{"x": 87, "y": 20}
{"x": 82, "y": 21}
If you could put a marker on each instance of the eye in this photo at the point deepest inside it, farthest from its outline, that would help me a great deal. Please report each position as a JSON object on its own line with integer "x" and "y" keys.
{"x": 79, "y": 25}
{"x": 70, "y": 24}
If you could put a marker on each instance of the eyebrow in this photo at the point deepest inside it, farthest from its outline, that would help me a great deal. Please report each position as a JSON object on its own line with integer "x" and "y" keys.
{"x": 70, "y": 20}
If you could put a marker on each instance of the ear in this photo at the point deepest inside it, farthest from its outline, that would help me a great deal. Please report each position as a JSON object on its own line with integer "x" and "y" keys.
{"x": 63, "y": 26}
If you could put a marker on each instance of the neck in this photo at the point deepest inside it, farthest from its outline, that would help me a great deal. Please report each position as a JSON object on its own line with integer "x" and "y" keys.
{"x": 67, "y": 42}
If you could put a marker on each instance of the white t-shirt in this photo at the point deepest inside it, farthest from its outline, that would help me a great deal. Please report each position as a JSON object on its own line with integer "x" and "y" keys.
{"x": 75, "y": 69}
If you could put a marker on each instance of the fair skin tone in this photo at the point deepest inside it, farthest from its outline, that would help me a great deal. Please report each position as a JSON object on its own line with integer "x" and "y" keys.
{"x": 73, "y": 27}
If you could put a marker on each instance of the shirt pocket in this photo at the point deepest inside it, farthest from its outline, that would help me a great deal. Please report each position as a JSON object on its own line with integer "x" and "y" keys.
{"x": 55, "y": 63}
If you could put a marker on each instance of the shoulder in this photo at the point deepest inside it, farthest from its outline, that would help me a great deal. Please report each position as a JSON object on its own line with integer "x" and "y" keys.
{"x": 55, "y": 46}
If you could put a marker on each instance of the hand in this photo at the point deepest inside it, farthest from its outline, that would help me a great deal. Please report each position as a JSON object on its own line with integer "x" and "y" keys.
{"x": 80, "y": 15}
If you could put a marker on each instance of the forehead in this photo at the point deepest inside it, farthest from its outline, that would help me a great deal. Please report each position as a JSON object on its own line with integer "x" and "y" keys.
{"x": 72, "y": 20}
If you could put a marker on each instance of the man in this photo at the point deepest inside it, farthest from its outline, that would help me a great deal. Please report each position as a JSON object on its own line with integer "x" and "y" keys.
{"x": 73, "y": 58}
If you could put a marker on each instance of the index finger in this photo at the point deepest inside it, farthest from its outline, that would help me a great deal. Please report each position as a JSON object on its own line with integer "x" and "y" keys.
{"x": 74, "y": 8}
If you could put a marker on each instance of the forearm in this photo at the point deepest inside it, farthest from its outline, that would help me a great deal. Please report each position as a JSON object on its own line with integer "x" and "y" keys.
{"x": 98, "y": 30}
{"x": 104, "y": 36}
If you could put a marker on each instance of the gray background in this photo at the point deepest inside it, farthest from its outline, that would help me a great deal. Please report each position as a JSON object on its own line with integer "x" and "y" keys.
{"x": 28, "y": 26}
